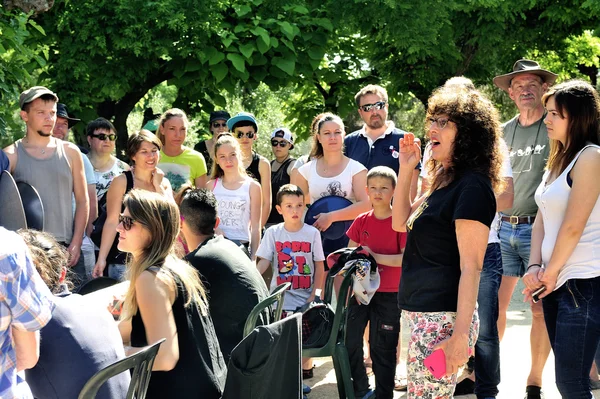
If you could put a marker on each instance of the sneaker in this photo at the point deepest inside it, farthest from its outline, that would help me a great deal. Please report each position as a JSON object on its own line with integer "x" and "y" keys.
{"x": 370, "y": 394}
{"x": 306, "y": 388}
{"x": 533, "y": 392}
{"x": 465, "y": 387}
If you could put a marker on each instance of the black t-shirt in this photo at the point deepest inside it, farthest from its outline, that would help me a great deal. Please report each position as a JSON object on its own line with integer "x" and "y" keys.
{"x": 431, "y": 264}
{"x": 234, "y": 287}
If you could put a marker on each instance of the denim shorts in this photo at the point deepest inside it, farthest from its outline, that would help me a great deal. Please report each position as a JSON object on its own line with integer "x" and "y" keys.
{"x": 515, "y": 244}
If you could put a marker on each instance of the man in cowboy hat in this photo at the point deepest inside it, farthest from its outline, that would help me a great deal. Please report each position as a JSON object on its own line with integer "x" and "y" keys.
{"x": 527, "y": 140}
{"x": 55, "y": 168}
{"x": 64, "y": 123}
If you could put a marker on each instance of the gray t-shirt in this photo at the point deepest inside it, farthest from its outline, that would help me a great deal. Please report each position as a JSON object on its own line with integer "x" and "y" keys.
{"x": 528, "y": 149}
{"x": 292, "y": 256}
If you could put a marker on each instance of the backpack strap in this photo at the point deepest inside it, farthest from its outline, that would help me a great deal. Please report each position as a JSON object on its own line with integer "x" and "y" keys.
{"x": 129, "y": 177}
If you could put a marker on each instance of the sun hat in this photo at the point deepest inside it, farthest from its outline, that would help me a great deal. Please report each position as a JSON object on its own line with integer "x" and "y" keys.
{"x": 61, "y": 112}
{"x": 334, "y": 237}
{"x": 524, "y": 66}
{"x": 35, "y": 92}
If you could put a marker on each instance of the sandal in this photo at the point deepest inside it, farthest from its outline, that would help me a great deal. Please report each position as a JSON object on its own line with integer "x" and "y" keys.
{"x": 400, "y": 384}
{"x": 307, "y": 374}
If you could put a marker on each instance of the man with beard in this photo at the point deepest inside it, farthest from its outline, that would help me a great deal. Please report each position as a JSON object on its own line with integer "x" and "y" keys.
{"x": 55, "y": 169}
{"x": 527, "y": 139}
{"x": 376, "y": 143}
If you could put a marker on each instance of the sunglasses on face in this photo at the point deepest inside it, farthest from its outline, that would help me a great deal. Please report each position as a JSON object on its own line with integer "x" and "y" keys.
{"x": 249, "y": 135}
{"x": 370, "y": 107}
{"x": 217, "y": 125}
{"x": 103, "y": 137}
{"x": 276, "y": 143}
{"x": 440, "y": 122}
{"x": 127, "y": 222}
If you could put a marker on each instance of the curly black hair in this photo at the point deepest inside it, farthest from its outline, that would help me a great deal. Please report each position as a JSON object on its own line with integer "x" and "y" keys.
{"x": 476, "y": 145}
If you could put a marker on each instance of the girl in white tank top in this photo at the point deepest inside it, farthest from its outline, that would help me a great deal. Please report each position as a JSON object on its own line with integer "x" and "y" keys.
{"x": 238, "y": 196}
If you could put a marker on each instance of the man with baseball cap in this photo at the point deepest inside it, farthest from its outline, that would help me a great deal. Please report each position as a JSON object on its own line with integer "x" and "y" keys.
{"x": 244, "y": 128}
{"x": 55, "y": 169}
{"x": 527, "y": 139}
{"x": 282, "y": 142}
{"x": 217, "y": 124}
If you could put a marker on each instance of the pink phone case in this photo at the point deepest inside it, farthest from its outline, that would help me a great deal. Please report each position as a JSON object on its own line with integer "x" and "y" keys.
{"x": 436, "y": 363}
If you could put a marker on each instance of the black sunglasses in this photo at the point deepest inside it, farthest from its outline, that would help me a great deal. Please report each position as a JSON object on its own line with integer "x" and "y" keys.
{"x": 281, "y": 143}
{"x": 369, "y": 107}
{"x": 127, "y": 222}
{"x": 103, "y": 137}
{"x": 218, "y": 125}
{"x": 250, "y": 135}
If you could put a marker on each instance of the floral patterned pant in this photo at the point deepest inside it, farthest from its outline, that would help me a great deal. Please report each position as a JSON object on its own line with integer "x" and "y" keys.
{"x": 427, "y": 330}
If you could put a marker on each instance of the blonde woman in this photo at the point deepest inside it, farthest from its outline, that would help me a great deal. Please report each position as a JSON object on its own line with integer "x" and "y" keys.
{"x": 166, "y": 299}
{"x": 238, "y": 196}
{"x": 181, "y": 164}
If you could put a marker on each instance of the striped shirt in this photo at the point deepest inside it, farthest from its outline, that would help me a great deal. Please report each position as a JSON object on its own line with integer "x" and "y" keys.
{"x": 25, "y": 304}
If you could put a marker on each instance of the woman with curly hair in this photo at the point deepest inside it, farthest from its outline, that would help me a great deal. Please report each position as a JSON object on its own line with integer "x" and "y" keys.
{"x": 564, "y": 260}
{"x": 166, "y": 299}
{"x": 448, "y": 229}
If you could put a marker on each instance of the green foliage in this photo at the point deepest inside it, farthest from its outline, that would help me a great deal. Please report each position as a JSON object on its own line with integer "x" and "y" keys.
{"x": 20, "y": 60}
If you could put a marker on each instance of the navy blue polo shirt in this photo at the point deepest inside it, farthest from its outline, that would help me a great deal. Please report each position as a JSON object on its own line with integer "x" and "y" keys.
{"x": 356, "y": 146}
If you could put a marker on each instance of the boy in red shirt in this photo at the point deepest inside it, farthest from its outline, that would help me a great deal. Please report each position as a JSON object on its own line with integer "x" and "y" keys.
{"x": 373, "y": 231}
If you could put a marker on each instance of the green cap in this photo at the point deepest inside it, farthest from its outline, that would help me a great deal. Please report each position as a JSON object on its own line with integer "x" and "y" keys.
{"x": 35, "y": 92}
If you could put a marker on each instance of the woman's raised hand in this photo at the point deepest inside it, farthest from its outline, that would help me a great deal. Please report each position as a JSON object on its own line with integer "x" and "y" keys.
{"x": 410, "y": 151}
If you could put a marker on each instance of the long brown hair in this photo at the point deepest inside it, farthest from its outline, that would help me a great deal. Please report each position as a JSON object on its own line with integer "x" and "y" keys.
{"x": 477, "y": 143}
{"x": 577, "y": 101}
{"x": 226, "y": 139}
{"x": 160, "y": 216}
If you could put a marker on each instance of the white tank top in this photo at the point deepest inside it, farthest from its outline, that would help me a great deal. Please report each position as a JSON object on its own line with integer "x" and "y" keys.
{"x": 552, "y": 200}
{"x": 233, "y": 208}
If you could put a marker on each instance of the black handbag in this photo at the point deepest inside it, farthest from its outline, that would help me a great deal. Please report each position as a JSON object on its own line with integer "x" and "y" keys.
{"x": 317, "y": 323}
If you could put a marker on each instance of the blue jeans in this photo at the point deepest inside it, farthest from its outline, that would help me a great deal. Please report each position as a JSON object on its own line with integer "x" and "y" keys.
{"x": 117, "y": 272}
{"x": 487, "y": 348}
{"x": 515, "y": 243}
{"x": 572, "y": 315}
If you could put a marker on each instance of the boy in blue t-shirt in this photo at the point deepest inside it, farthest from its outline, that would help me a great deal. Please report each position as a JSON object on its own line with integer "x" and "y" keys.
{"x": 296, "y": 253}
{"x": 373, "y": 231}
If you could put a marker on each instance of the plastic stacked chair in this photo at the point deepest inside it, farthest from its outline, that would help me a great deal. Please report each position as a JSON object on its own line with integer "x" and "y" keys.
{"x": 276, "y": 296}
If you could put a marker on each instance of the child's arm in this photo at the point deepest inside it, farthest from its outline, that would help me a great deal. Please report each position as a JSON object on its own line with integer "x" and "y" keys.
{"x": 394, "y": 260}
{"x": 318, "y": 280}
{"x": 255, "y": 217}
{"x": 263, "y": 265}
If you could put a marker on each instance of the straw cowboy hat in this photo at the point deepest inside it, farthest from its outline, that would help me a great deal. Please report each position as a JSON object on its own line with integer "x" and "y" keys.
{"x": 521, "y": 67}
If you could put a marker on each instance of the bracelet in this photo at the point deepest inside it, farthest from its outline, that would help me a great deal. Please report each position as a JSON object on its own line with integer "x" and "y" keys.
{"x": 533, "y": 265}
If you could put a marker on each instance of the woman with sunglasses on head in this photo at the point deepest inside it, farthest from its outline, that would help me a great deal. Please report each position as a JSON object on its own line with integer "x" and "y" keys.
{"x": 565, "y": 260}
{"x": 143, "y": 150}
{"x": 180, "y": 164}
{"x": 217, "y": 125}
{"x": 239, "y": 196}
{"x": 244, "y": 128}
{"x": 448, "y": 230}
{"x": 330, "y": 172}
{"x": 166, "y": 299}
{"x": 282, "y": 143}
{"x": 101, "y": 136}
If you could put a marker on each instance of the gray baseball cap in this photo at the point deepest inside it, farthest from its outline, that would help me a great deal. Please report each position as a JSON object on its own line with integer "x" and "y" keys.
{"x": 35, "y": 92}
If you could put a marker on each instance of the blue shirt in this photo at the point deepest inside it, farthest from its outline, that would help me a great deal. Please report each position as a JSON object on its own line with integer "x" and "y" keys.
{"x": 25, "y": 304}
{"x": 379, "y": 153}
{"x": 4, "y": 162}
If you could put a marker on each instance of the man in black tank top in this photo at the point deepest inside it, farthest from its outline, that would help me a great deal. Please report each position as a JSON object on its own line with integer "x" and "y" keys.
{"x": 244, "y": 128}
{"x": 217, "y": 124}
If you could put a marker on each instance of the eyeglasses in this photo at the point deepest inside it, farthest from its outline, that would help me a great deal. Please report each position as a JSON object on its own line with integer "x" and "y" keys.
{"x": 281, "y": 143}
{"x": 250, "y": 135}
{"x": 127, "y": 222}
{"x": 370, "y": 107}
{"x": 218, "y": 125}
{"x": 440, "y": 122}
{"x": 103, "y": 137}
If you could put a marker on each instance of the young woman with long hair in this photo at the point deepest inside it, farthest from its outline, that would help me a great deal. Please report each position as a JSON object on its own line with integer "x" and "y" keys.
{"x": 180, "y": 164}
{"x": 166, "y": 299}
{"x": 565, "y": 239}
{"x": 239, "y": 196}
{"x": 143, "y": 150}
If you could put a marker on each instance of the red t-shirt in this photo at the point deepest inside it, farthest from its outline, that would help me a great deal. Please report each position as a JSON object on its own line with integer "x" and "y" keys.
{"x": 378, "y": 235}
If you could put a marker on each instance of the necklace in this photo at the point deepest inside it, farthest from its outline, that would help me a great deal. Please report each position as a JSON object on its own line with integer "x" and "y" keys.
{"x": 512, "y": 140}
{"x": 42, "y": 149}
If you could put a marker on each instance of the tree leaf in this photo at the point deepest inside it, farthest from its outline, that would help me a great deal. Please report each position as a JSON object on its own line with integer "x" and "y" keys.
{"x": 242, "y": 10}
{"x": 247, "y": 49}
{"x": 237, "y": 61}
{"x": 219, "y": 71}
{"x": 285, "y": 64}
{"x": 262, "y": 46}
{"x": 214, "y": 56}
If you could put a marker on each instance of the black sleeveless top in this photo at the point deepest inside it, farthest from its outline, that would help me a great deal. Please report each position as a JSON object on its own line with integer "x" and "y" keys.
{"x": 201, "y": 148}
{"x": 278, "y": 179}
{"x": 200, "y": 371}
{"x": 116, "y": 257}
{"x": 252, "y": 169}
